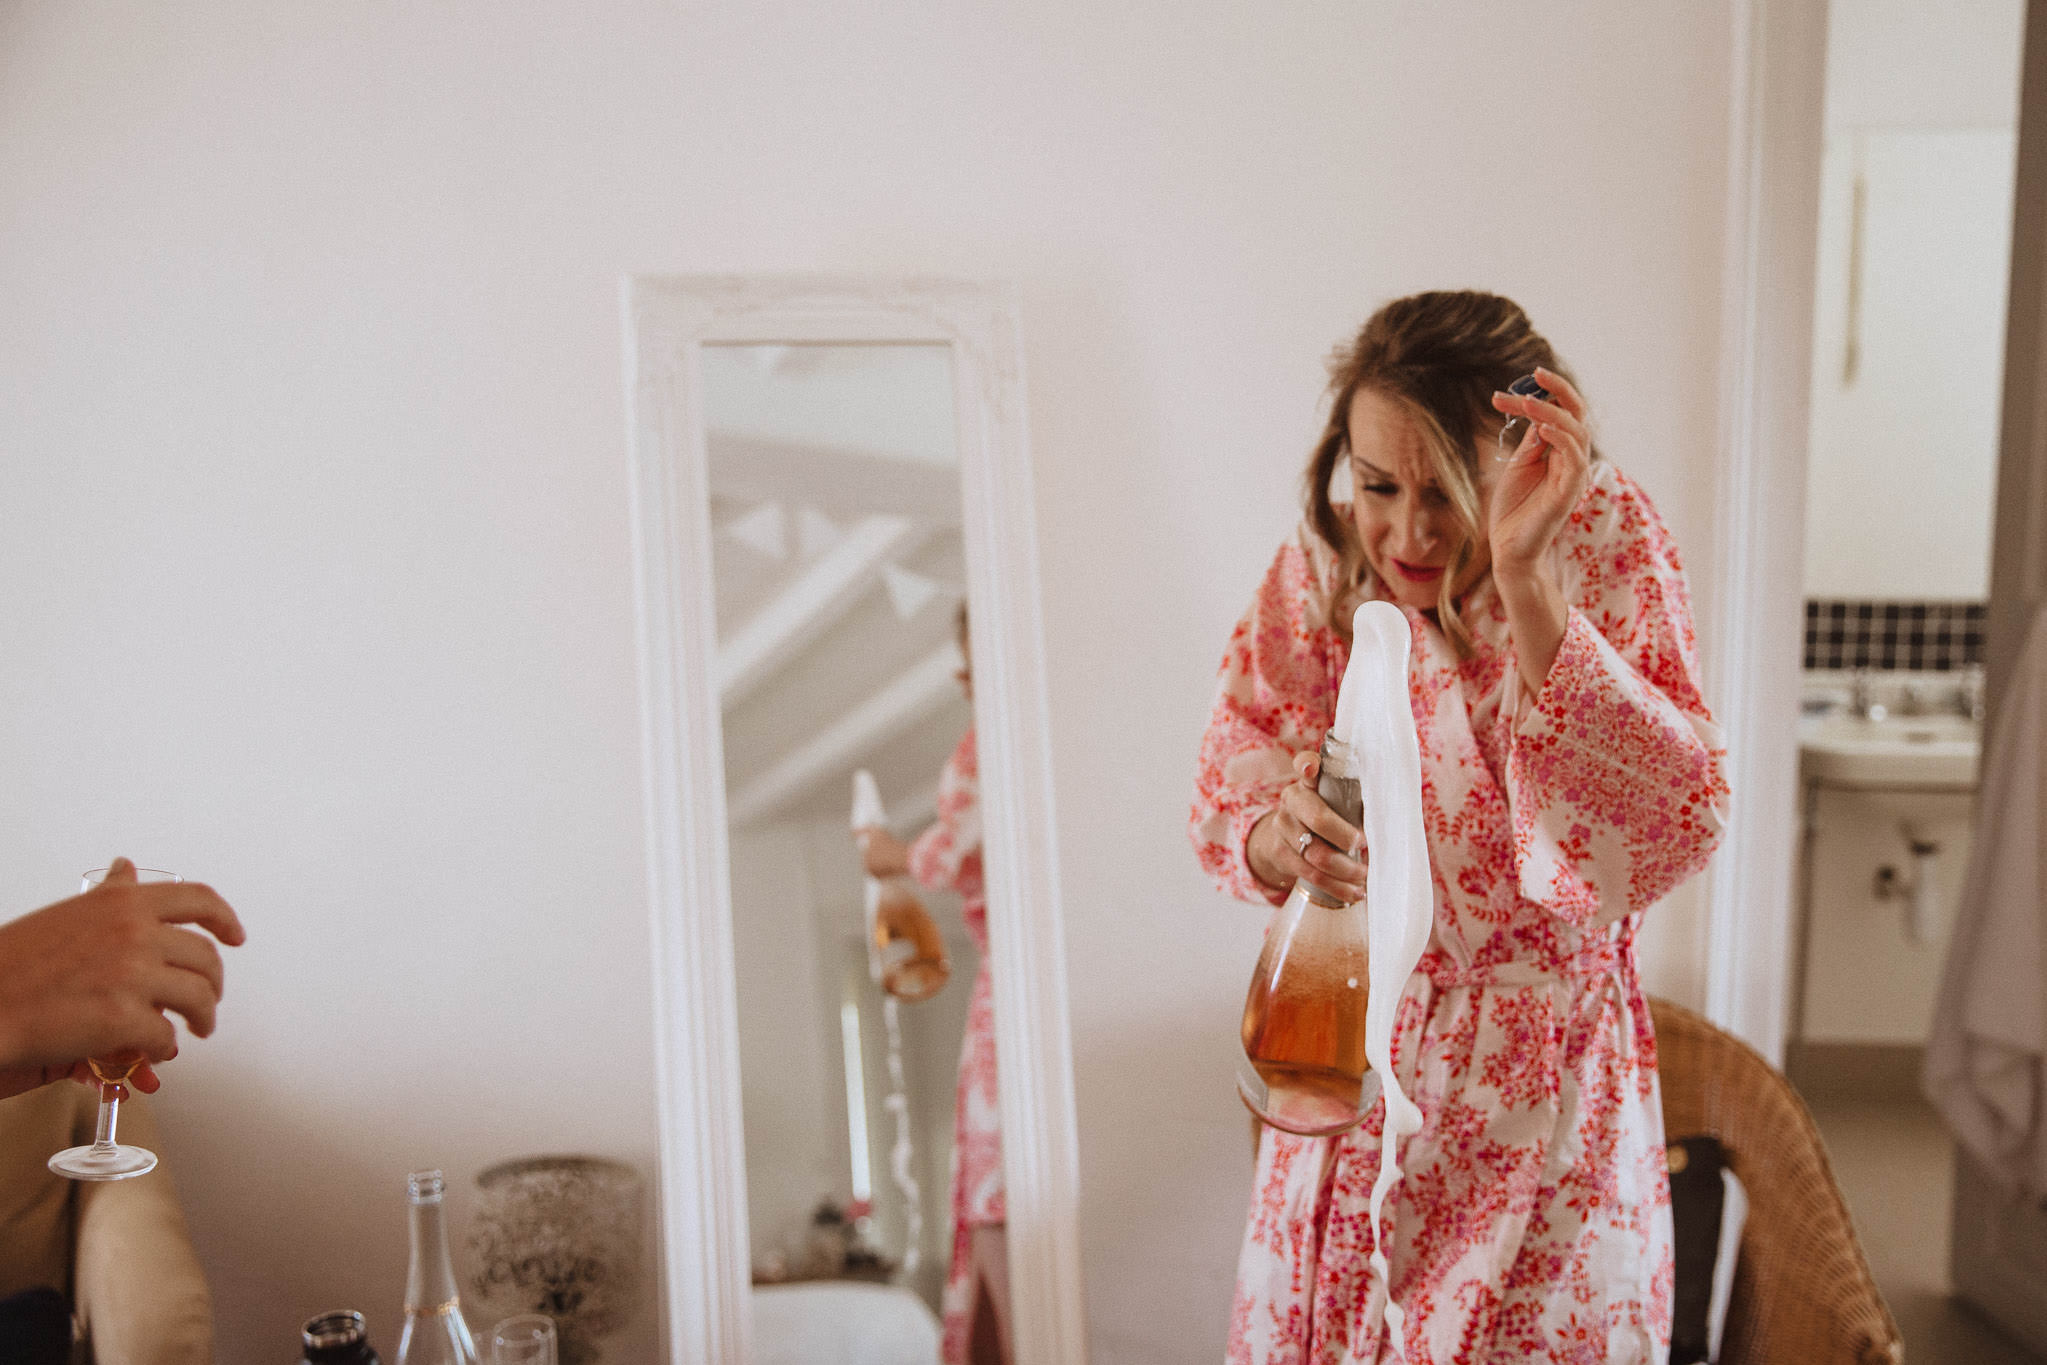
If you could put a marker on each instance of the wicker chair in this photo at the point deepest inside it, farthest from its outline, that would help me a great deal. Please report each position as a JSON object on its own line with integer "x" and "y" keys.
{"x": 1802, "y": 1291}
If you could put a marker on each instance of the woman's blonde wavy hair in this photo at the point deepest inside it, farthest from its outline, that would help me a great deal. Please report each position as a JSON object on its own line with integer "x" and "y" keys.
{"x": 1440, "y": 355}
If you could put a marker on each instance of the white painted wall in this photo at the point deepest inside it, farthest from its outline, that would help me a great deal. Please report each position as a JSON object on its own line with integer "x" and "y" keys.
{"x": 1922, "y": 64}
{"x": 313, "y": 508}
{"x": 1922, "y": 108}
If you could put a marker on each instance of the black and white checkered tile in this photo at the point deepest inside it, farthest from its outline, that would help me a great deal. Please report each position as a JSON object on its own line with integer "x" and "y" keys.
{"x": 1920, "y": 636}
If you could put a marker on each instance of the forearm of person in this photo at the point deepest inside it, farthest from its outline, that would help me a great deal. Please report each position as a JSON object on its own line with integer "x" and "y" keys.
{"x": 14, "y": 1048}
{"x": 1258, "y": 855}
{"x": 1616, "y": 793}
{"x": 1537, "y": 616}
{"x": 1220, "y": 826}
{"x": 1273, "y": 700}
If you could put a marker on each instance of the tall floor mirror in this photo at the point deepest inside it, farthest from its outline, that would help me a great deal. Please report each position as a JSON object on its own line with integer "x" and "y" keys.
{"x": 867, "y": 1133}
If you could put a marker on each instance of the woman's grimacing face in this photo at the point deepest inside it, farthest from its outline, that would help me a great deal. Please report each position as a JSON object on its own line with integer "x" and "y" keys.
{"x": 1405, "y": 521}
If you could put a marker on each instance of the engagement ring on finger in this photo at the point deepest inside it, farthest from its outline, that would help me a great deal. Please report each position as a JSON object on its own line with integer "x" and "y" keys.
{"x": 1302, "y": 846}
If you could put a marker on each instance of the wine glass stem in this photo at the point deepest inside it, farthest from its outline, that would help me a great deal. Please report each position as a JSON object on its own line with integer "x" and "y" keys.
{"x": 110, "y": 1110}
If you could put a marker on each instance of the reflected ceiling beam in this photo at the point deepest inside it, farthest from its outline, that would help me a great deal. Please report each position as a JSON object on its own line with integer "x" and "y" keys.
{"x": 844, "y": 480}
{"x": 909, "y": 697}
{"x": 820, "y": 593}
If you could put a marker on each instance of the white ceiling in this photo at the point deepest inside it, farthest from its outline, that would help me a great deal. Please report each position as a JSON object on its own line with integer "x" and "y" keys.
{"x": 836, "y": 510}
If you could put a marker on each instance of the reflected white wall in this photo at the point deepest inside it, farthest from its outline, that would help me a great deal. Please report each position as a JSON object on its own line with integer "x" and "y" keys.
{"x": 789, "y": 1067}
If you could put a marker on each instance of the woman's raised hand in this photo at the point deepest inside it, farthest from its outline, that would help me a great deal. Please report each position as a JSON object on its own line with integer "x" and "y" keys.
{"x": 1334, "y": 859}
{"x": 1539, "y": 485}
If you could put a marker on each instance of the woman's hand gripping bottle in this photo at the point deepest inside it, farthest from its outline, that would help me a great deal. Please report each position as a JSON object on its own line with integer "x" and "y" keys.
{"x": 905, "y": 950}
{"x": 1303, "y": 1069}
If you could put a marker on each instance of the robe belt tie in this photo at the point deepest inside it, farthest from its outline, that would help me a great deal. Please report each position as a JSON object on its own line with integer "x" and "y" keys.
{"x": 1600, "y": 960}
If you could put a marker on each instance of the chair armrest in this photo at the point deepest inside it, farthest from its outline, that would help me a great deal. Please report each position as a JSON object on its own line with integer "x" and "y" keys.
{"x": 37, "y": 1206}
{"x": 138, "y": 1287}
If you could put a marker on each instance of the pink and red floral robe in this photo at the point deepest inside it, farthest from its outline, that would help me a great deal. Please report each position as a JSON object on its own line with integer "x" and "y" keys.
{"x": 947, "y": 857}
{"x": 1532, "y": 1222}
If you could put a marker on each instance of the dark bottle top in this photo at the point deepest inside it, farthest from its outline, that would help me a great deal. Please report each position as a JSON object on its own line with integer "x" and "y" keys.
{"x": 338, "y": 1339}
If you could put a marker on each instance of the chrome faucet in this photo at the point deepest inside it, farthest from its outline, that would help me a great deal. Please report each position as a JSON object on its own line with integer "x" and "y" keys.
{"x": 1968, "y": 697}
{"x": 1859, "y": 704}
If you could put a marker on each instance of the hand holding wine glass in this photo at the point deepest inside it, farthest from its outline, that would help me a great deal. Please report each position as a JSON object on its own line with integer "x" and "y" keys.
{"x": 95, "y": 976}
{"x": 104, "y": 1158}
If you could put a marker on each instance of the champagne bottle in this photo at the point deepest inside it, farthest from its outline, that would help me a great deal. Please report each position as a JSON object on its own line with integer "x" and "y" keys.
{"x": 1304, "y": 1017}
{"x": 435, "y": 1333}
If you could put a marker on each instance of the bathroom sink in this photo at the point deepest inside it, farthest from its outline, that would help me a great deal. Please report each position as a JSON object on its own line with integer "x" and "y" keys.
{"x": 1898, "y": 751}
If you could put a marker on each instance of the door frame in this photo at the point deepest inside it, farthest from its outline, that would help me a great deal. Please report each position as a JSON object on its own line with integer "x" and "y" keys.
{"x": 1776, "y": 97}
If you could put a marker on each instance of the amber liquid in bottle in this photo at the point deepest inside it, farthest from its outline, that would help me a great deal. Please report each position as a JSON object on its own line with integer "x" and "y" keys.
{"x": 1304, "y": 1016}
{"x": 1304, "y": 1029}
{"x": 912, "y": 952}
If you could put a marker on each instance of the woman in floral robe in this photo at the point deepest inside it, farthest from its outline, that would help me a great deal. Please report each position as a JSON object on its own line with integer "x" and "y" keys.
{"x": 947, "y": 857}
{"x": 1571, "y": 777}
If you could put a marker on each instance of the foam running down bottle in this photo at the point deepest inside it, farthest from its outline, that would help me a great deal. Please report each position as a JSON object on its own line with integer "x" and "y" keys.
{"x": 1318, "y": 997}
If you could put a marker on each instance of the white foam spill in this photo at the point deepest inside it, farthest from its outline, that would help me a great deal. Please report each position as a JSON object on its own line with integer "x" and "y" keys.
{"x": 868, "y": 814}
{"x": 1398, "y": 890}
{"x": 867, "y": 811}
{"x": 898, "y": 1104}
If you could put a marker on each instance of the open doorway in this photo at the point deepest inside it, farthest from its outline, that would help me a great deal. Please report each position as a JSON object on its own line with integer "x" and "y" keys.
{"x": 1913, "y": 261}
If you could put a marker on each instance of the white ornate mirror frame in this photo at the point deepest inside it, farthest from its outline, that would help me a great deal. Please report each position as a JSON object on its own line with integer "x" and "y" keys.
{"x": 706, "y": 1270}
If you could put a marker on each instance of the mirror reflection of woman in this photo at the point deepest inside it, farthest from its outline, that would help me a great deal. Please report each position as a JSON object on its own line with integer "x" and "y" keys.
{"x": 947, "y": 857}
{"x": 1572, "y": 776}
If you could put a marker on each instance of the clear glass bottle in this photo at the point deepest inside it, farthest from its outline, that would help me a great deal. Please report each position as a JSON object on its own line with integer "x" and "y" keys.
{"x": 435, "y": 1333}
{"x": 339, "y": 1338}
{"x": 1303, "y": 1069}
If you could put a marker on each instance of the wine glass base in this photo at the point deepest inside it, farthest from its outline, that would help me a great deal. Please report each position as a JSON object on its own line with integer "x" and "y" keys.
{"x": 117, "y": 1162}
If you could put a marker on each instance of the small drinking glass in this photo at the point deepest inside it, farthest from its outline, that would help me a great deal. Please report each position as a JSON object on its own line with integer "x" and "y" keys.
{"x": 106, "y": 1159}
{"x": 524, "y": 1339}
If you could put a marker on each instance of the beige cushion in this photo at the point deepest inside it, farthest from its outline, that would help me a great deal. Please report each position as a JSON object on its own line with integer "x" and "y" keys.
{"x": 119, "y": 1248}
{"x": 35, "y": 1206}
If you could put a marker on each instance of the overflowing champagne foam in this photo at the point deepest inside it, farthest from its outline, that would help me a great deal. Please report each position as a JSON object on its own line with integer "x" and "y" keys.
{"x": 1375, "y": 717}
{"x": 898, "y": 1104}
{"x": 868, "y": 814}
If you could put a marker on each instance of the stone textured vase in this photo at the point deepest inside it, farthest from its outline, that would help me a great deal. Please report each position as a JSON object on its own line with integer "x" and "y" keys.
{"x": 560, "y": 1235}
